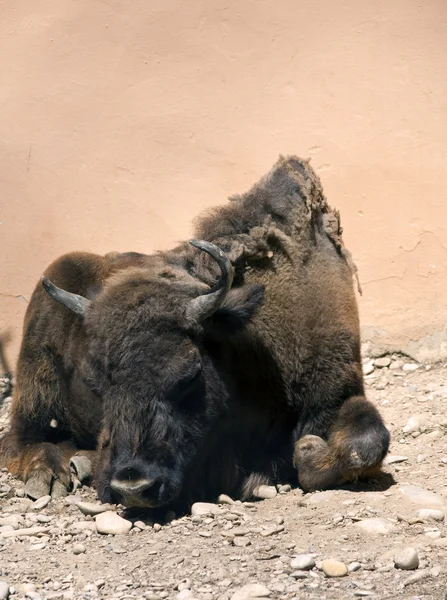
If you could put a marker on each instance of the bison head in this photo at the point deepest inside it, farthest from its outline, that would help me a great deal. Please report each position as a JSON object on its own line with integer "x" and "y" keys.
{"x": 151, "y": 354}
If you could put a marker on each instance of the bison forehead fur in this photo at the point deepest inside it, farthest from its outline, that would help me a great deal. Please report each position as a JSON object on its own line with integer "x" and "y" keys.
{"x": 183, "y": 375}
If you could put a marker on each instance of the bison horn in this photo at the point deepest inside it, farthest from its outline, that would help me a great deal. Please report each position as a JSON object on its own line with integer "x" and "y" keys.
{"x": 77, "y": 304}
{"x": 205, "y": 305}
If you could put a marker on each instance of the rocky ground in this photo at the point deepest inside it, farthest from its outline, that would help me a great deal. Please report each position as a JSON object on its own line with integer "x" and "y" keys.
{"x": 384, "y": 540}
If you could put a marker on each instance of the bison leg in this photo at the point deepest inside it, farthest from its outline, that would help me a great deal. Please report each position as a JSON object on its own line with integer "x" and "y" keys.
{"x": 46, "y": 468}
{"x": 357, "y": 444}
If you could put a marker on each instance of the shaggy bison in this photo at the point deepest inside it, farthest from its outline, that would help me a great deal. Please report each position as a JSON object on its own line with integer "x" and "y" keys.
{"x": 230, "y": 360}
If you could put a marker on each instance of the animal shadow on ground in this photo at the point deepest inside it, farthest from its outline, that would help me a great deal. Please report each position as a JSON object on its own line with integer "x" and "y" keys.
{"x": 380, "y": 483}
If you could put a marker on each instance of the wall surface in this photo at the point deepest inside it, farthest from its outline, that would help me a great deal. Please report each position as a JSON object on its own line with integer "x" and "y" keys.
{"x": 121, "y": 120}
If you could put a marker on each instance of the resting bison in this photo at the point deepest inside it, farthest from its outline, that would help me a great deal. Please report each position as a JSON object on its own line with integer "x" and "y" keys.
{"x": 205, "y": 369}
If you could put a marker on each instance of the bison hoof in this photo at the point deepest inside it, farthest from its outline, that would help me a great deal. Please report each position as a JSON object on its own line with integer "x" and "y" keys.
{"x": 38, "y": 486}
{"x": 44, "y": 484}
{"x": 315, "y": 464}
{"x": 81, "y": 467}
{"x": 309, "y": 448}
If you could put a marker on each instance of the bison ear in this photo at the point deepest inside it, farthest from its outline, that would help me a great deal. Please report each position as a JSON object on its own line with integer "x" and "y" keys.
{"x": 235, "y": 312}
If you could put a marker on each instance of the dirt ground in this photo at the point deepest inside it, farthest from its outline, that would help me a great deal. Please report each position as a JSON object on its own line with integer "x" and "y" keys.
{"x": 214, "y": 555}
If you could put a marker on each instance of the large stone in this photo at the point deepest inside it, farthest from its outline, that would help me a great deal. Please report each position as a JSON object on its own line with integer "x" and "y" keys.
{"x": 251, "y": 590}
{"x": 376, "y": 526}
{"x": 334, "y": 568}
{"x": 111, "y": 523}
{"x": 406, "y": 559}
{"x": 430, "y": 514}
{"x": 421, "y": 496}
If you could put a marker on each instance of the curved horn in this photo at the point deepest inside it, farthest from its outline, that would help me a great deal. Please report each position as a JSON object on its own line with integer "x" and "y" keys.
{"x": 77, "y": 304}
{"x": 205, "y": 305}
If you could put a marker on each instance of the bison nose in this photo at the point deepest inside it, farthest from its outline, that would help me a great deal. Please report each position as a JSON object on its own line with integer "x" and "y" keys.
{"x": 133, "y": 486}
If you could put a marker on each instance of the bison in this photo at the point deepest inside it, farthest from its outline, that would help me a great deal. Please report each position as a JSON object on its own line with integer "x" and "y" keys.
{"x": 227, "y": 361}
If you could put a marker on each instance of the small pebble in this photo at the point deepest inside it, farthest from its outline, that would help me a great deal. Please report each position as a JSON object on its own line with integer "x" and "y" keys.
{"x": 251, "y": 590}
{"x": 303, "y": 562}
{"x": 202, "y": 509}
{"x": 184, "y": 595}
{"x": 224, "y": 499}
{"x": 368, "y": 368}
{"x": 408, "y": 367}
{"x": 392, "y": 459}
{"x": 265, "y": 492}
{"x": 79, "y": 549}
{"x": 382, "y": 362}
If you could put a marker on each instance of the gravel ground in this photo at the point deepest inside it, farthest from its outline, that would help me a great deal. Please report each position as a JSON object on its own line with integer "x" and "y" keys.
{"x": 383, "y": 540}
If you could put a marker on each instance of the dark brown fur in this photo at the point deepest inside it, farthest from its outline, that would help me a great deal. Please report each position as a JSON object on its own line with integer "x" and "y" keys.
{"x": 284, "y": 389}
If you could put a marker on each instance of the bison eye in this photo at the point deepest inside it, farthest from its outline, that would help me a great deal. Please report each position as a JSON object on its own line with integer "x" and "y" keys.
{"x": 186, "y": 383}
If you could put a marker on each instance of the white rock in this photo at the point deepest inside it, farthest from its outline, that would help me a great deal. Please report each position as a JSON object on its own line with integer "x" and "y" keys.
{"x": 415, "y": 578}
{"x": 433, "y": 435}
{"x": 27, "y": 531}
{"x": 413, "y": 425}
{"x": 375, "y": 526}
{"x": 406, "y": 559}
{"x": 202, "y": 509}
{"x": 4, "y": 590}
{"x": 354, "y": 566}
{"x": 430, "y": 514}
{"x": 184, "y": 585}
{"x": 41, "y": 503}
{"x": 92, "y": 509}
{"x": 319, "y": 497}
{"x": 224, "y": 499}
{"x": 111, "y": 523}
{"x": 382, "y": 362}
{"x": 303, "y": 562}
{"x": 251, "y": 590}
{"x": 265, "y": 492}
{"x": 391, "y": 459}
{"x": 184, "y": 595}
{"x": 84, "y": 526}
{"x": 78, "y": 549}
{"x": 410, "y": 367}
{"x": 368, "y": 368}
{"x": 421, "y": 496}
{"x": 12, "y": 520}
{"x": 334, "y": 568}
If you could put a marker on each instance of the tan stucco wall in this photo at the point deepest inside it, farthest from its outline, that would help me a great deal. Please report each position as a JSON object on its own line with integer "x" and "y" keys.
{"x": 121, "y": 120}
